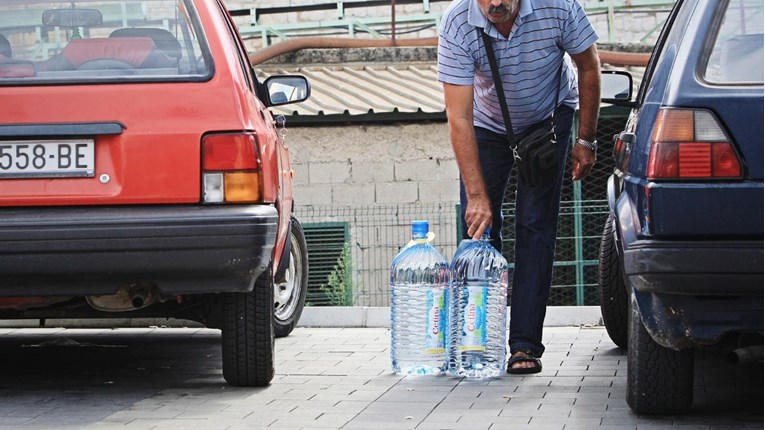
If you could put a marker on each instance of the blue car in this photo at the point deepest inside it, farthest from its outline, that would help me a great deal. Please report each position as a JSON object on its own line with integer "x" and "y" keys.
{"x": 681, "y": 258}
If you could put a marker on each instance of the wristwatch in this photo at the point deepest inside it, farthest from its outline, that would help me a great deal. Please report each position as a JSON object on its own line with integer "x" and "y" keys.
{"x": 591, "y": 145}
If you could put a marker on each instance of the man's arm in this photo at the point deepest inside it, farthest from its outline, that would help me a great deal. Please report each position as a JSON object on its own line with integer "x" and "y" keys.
{"x": 588, "y": 66}
{"x": 459, "y": 111}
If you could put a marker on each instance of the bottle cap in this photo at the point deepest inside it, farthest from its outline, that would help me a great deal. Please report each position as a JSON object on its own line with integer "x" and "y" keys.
{"x": 420, "y": 228}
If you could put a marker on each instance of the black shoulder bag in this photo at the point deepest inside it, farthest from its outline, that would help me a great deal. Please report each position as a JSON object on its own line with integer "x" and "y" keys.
{"x": 536, "y": 152}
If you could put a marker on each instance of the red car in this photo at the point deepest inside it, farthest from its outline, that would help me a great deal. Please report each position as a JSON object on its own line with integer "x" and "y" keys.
{"x": 142, "y": 175}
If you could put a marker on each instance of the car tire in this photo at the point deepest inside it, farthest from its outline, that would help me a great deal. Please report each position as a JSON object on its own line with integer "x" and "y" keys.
{"x": 612, "y": 291}
{"x": 291, "y": 285}
{"x": 659, "y": 380}
{"x": 248, "y": 335}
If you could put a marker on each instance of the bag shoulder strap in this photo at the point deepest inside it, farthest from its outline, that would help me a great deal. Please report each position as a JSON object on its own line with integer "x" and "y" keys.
{"x": 487, "y": 42}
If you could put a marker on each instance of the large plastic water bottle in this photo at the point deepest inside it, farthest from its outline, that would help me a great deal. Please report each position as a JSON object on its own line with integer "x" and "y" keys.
{"x": 419, "y": 282}
{"x": 477, "y": 310}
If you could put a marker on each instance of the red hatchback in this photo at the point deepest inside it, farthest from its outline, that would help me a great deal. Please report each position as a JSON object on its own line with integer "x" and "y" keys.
{"x": 141, "y": 173}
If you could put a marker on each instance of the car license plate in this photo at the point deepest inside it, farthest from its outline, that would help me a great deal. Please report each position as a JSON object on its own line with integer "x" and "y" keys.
{"x": 47, "y": 159}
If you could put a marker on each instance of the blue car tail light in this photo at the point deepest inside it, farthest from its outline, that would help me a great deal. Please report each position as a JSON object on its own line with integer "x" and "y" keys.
{"x": 691, "y": 144}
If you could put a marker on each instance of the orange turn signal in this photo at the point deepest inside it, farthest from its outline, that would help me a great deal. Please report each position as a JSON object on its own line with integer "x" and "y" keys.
{"x": 242, "y": 187}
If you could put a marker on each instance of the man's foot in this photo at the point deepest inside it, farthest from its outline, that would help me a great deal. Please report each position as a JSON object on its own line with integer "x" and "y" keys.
{"x": 522, "y": 363}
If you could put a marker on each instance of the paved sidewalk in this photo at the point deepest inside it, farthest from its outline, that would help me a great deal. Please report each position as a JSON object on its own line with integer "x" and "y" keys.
{"x": 332, "y": 378}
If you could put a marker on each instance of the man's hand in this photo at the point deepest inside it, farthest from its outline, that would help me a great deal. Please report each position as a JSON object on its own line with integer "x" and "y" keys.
{"x": 478, "y": 215}
{"x": 582, "y": 160}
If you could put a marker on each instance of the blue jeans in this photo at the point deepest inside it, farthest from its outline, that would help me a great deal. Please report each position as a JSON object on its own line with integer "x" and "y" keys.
{"x": 536, "y": 228}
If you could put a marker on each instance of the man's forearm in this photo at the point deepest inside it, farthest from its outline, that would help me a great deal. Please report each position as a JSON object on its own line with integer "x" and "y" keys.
{"x": 589, "y": 94}
{"x": 466, "y": 152}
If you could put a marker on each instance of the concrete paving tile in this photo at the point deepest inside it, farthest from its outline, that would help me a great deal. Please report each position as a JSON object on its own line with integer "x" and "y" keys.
{"x": 504, "y": 421}
{"x": 362, "y": 395}
{"x": 636, "y": 420}
{"x": 430, "y": 381}
{"x": 336, "y": 420}
{"x": 331, "y": 397}
{"x": 445, "y": 416}
{"x": 312, "y": 427}
{"x": 413, "y": 396}
{"x": 586, "y": 372}
{"x": 589, "y": 423}
{"x": 615, "y": 427}
{"x": 379, "y": 421}
{"x": 472, "y": 421}
{"x": 293, "y": 421}
{"x": 441, "y": 426}
{"x": 555, "y": 410}
{"x": 166, "y": 424}
{"x": 400, "y": 409}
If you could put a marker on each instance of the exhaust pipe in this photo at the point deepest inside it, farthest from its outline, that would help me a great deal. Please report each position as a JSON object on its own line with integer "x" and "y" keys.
{"x": 126, "y": 298}
{"x": 746, "y": 355}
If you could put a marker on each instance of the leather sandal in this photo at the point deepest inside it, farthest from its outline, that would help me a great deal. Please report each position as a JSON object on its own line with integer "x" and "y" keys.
{"x": 520, "y": 357}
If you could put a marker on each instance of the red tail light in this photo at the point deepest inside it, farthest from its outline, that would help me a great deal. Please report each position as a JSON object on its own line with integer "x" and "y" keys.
{"x": 231, "y": 168}
{"x": 233, "y": 151}
{"x": 690, "y": 144}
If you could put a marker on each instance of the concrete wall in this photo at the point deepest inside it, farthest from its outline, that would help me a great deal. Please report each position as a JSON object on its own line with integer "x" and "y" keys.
{"x": 356, "y": 165}
{"x": 377, "y": 179}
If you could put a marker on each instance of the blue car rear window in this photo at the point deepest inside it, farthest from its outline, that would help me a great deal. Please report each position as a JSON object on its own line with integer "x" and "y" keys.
{"x": 737, "y": 53}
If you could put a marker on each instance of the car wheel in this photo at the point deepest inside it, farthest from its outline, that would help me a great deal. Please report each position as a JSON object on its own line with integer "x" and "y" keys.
{"x": 611, "y": 288}
{"x": 659, "y": 380}
{"x": 248, "y": 335}
{"x": 291, "y": 285}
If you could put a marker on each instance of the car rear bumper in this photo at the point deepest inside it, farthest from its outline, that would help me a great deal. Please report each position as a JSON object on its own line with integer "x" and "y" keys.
{"x": 694, "y": 293}
{"x": 695, "y": 267}
{"x": 94, "y": 250}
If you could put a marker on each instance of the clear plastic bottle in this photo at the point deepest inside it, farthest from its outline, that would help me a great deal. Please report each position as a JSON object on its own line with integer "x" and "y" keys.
{"x": 477, "y": 310}
{"x": 419, "y": 282}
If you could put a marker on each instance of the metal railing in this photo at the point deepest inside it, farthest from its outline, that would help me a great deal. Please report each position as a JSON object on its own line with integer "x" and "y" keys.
{"x": 384, "y": 25}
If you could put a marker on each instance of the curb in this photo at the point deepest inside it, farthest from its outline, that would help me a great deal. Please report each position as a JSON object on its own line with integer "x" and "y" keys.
{"x": 557, "y": 316}
{"x": 313, "y": 316}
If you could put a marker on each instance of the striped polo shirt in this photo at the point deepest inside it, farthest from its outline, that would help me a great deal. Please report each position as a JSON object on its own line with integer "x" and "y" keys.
{"x": 528, "y": 59}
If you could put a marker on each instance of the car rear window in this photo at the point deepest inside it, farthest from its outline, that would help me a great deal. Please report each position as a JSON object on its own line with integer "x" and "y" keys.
{"x": 737, "y": 53}
{"x": 102, "y": 41}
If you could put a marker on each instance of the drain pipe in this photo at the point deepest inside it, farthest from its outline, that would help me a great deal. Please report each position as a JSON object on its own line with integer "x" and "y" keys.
{"x": 746, "y": 355}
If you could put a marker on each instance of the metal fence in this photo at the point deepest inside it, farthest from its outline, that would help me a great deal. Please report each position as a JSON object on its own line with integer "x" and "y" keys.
{"x": 350, "y": 248}
{"x": 375, "y": 235}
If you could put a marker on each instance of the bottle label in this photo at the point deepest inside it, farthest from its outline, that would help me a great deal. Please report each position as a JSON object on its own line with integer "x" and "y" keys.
{"x": 474, "y": 317}
{"x": 436, "y": 324}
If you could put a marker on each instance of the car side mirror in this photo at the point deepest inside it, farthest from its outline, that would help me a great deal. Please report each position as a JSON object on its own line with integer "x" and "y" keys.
{"x": 616, "y": 87}
{"x": 286, "y": 89}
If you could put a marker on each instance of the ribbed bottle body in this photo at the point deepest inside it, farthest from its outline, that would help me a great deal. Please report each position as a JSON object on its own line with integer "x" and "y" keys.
{"x": 477, "y": 311}
{"x": 419, "y": 282}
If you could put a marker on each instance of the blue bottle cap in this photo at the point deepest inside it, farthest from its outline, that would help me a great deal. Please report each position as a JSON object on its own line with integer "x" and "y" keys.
{"x": 420, "y": 228}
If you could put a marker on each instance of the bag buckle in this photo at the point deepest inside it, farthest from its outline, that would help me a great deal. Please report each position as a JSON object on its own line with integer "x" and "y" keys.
{"x": 515, "y": 154}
